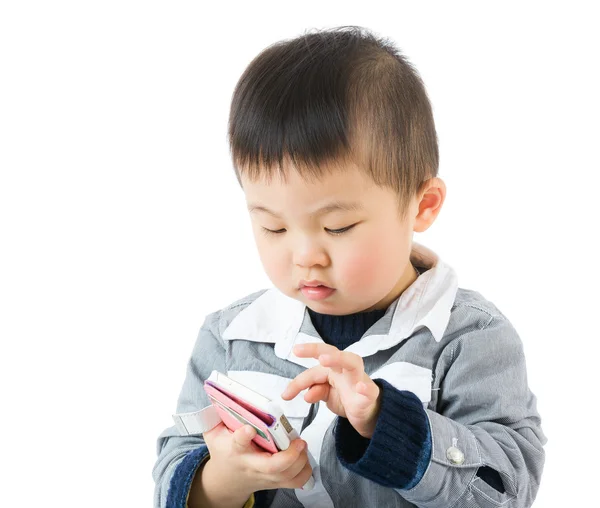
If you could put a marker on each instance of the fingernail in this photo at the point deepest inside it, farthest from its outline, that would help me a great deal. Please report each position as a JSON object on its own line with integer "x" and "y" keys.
{"x": 300, "y": 446}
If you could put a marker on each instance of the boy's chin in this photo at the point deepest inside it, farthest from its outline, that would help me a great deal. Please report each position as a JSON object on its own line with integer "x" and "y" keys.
{"x": 330, "y": 305}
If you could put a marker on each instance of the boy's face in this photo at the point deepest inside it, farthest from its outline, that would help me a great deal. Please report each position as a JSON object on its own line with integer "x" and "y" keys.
{"x": 365, "y": 267}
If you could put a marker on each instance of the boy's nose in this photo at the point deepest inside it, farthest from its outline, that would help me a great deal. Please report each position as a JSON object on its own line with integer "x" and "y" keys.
{"x": 309, "y": 255}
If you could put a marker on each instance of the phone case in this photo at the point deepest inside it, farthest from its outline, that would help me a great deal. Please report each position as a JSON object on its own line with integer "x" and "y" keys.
{"x": 234, "y": 416}
{"x": 273, "y": 430}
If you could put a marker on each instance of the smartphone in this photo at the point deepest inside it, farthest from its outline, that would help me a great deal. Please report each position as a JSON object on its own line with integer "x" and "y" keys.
{"x": 238, "y": 405}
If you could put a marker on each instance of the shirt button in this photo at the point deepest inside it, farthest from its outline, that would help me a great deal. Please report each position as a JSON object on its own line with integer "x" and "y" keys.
{"x": 455, "y": 455}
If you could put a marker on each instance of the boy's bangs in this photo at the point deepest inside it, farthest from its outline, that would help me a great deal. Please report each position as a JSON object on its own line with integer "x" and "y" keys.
{"x": 292, "y": 113}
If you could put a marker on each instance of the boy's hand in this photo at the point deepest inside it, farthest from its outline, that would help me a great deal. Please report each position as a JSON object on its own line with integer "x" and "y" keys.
{"x": 341, "y": 381}
{"x": 234, "y": 455}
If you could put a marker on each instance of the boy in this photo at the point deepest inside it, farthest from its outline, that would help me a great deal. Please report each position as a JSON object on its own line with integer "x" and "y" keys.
{"x": 407, "y": 390}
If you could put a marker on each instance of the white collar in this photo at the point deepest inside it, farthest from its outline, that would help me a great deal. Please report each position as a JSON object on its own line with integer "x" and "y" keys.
{"x": 276, "y": 318}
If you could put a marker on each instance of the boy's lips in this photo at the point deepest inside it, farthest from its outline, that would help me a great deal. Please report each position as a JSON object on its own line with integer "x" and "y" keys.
{"x": 315, "y": 290}
{"x": 311, "y": 283}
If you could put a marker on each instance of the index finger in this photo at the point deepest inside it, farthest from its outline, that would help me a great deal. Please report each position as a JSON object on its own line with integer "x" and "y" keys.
{"x": 314, "y": 350}
{"x": 307, "y": 378}
{"x": 332, "y": 357}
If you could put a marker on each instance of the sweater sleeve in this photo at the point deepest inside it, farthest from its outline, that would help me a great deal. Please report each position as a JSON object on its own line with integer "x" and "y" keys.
{"x": 399, "y": 451}
{"x": 398, "y": 440}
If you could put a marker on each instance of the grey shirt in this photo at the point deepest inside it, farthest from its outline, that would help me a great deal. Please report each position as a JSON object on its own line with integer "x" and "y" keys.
{"x": 450, "y": 346}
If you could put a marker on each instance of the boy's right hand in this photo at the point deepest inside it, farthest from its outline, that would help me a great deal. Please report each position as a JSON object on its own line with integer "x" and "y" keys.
{"x": 242, "y": 465}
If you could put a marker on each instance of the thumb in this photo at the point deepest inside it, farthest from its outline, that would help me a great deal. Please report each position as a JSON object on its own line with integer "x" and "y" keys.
{"x": 243, "y": 436}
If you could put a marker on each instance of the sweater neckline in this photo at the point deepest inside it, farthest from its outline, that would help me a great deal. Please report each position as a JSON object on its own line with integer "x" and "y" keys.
{"x": 343, "y": 331}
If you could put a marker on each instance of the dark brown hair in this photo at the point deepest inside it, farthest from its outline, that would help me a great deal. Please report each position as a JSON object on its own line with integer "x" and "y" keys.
{"x": 330, "y": 96}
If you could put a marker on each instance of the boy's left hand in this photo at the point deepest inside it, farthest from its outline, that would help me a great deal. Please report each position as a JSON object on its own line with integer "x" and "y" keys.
{"x": 341, "y": 381}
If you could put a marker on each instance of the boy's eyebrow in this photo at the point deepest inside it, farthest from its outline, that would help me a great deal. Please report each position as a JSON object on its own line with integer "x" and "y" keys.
{"x": 331, "y": 207}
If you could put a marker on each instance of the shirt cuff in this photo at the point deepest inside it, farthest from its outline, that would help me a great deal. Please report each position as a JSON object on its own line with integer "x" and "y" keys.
{"x": 399, "y": 451}
{"x": 181, "y": 481}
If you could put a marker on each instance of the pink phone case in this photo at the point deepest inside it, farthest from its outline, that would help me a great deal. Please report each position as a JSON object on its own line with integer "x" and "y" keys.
{"x": 234, "y": 416}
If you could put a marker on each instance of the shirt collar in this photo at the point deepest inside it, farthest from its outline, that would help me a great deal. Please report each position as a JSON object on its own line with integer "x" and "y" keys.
{"x": 276, "y": 318}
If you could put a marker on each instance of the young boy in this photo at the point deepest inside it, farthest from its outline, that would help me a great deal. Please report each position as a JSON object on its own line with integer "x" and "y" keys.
{"x": 406, "y": 390}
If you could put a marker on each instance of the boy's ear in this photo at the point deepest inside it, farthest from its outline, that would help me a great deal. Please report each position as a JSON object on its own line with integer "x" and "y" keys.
{"x": 430, "y": 200}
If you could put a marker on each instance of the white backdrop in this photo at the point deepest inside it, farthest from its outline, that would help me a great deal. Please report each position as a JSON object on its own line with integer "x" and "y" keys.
{"x": 122, "y": 225}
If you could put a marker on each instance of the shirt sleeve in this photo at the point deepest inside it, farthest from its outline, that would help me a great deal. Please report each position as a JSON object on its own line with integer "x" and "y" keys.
{"x": 178, "y": 457}
{"x": 399, "y": 451}
{"x": 486, "y": 419}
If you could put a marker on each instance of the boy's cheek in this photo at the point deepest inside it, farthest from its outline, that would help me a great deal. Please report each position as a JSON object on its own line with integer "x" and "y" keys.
{"x": 278, "y": 268}
{"x": 358, "y": 270}
{"x": 363, "y": 262}
{"x": 370, "y": 272}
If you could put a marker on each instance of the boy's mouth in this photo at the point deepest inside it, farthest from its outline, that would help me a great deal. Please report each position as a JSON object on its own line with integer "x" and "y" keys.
{"x": 311, "y": 284}
{"x": 315, "y": 290}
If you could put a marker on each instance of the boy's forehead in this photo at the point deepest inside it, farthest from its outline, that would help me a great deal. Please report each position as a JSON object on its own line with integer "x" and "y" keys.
{"x": 333, "y": 191}
{"x": 333, "y": 205}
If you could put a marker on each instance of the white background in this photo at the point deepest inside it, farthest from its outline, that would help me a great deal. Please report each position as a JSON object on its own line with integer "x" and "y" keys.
{"x": 122, "y": 224}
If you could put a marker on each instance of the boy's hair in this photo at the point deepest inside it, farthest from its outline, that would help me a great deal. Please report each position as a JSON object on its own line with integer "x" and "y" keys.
{"x": 333, "y": 96}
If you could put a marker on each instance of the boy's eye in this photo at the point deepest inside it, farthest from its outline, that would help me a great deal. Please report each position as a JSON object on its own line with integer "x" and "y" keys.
{"x": 332, "y": 231}
{"x": 341, "y": 230}
{"x": 270, "y": 231}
